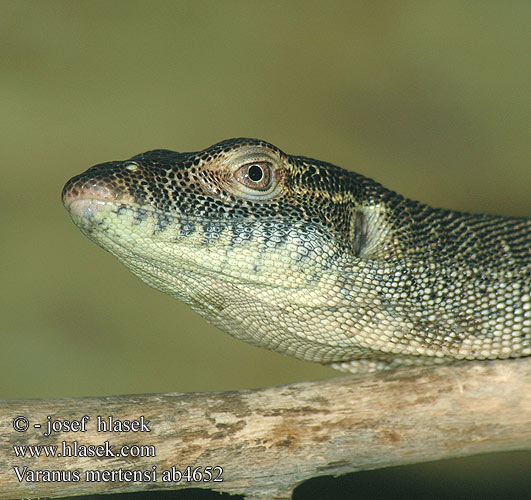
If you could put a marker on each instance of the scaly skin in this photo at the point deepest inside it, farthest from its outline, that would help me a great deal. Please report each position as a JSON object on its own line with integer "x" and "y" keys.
{"x": 305, "y": 258}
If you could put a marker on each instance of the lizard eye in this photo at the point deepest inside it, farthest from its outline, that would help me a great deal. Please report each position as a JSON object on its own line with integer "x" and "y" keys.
{"x": 256, "y": 175}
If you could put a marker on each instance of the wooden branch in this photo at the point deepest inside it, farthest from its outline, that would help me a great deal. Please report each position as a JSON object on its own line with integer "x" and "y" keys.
{"x": 267, "y": 441}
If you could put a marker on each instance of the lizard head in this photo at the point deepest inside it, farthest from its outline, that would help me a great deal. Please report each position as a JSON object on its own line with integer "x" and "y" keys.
{"x": 241, "y": 197}
{"x": 241, "y": 232}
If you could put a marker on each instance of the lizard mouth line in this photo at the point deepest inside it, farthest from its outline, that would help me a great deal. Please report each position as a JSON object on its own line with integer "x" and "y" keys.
{"x": 86, "y": 208}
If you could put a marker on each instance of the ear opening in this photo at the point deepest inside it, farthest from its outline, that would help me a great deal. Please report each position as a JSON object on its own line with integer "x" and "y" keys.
{"x": 370, "y": 232}
{"x": 360, "y": 232}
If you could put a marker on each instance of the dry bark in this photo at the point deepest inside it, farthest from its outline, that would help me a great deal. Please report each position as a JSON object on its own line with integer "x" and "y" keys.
{"x": 270, "y": 440}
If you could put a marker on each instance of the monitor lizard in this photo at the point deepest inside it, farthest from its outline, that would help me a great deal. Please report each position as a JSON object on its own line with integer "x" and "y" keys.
{"x": 311, "y": 260}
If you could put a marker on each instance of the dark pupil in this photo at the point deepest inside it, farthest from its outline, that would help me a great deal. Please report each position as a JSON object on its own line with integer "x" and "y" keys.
{"x": 255, "y": 173}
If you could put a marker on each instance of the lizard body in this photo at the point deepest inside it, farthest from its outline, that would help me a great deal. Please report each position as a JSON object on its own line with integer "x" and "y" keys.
{"x": 305, "y": 258}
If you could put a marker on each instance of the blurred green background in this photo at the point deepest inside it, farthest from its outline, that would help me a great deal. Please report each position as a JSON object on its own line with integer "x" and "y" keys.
{"x": 432, "y": 99}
